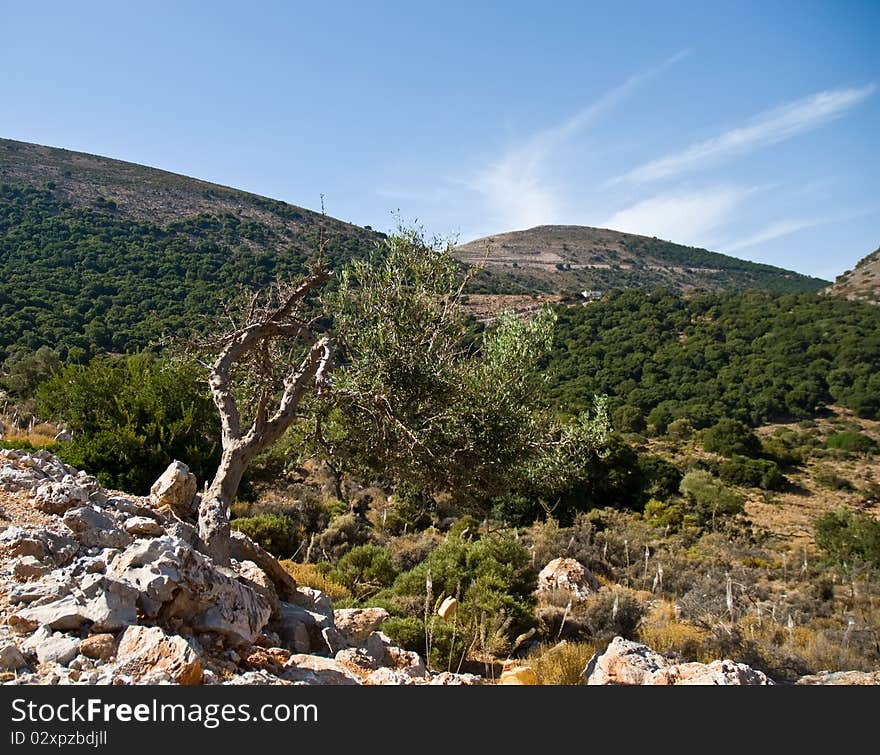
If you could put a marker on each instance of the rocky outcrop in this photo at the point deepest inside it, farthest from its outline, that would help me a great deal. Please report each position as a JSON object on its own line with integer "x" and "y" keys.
{"x": 569, "y": 576}
{"x": 11, "y": 658}
{"x": 834, "y": 678}
{"x": 313, "y": 669}
{"x": 631, "y": 663}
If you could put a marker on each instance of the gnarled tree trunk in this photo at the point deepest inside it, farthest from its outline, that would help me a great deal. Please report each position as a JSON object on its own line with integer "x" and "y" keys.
{"x": 240, "y": 447}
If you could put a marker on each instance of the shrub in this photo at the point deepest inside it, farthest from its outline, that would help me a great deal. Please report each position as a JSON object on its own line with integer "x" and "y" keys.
{"x": 563, "y": 663}
{"x": 309, "y": 575}
{"x": 277, "y": 533}
{"x": 342, "y": 534}
{"x": 730, "y": 437}
{"x": 629, "y": 419}
{"x": 365, "y": 570}
{"x": 708, "y": 498}
{"x": 612, "y": 612}
{"x": 847, "y": 537}
{"x": 852, "y": 441}
{"x": 828, "y": 478}
{"x": 445, "y": 644}
{"x": 754, "y": 473}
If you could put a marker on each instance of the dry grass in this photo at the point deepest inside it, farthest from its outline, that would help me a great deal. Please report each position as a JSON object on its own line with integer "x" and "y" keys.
{"x": 665, "y": 634}
{"x": 308, "y": 575}
{"x": 563, "y": 663}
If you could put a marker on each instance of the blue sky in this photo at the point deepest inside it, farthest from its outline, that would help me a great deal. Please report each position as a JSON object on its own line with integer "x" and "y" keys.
{"x": 747, "y": 128}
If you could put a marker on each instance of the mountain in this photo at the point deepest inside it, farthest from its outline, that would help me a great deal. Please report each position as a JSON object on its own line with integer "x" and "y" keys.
{"x": 554, "y": 258}
{"x": 100, "y": 254}
{"x": 862, "y": 282}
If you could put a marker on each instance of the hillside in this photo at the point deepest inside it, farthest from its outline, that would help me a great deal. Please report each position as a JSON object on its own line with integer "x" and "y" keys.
{"x": 100, "y": 254}
{"x": 553, "y": 258}
{"x": 862, "y": 282}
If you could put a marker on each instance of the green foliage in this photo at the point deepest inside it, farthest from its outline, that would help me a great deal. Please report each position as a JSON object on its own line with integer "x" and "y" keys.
{"x": 730, "y": 437}
{"x": 23, "y": 371}
{"x": 755, "y": 473}
{"x": 131, "y": 417}
{"x": 418, "y": 402}
{"x": 852, "y": 441}
{"x": 277, "y": 533}
{"x": 629, "y": 419}
{"x": 365, "y": 570}
{"x": 708, "y": 499}
{"x": 849, "y": 538}
{"x": 751, "y": 356}
{"x": 92, "y": 279}
{"x": 493, "y": 577}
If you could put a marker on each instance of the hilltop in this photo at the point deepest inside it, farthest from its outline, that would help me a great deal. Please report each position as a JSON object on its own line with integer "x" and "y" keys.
{"x": 553, "y": 258}
{"x": 862, "y": 282}
{"x": 99, "y": 254}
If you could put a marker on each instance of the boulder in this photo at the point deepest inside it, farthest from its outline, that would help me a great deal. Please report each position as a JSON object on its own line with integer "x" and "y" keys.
{"x": 145, "y": 652}
{"x": 569, "y": 576}
{"x": 627, "y": 662}
{"x": 11, "y": 658}
{"x": 143, "y": 526}
{"x": 719, "y": 673}
{"x": 95, "y": 528}
{"x": 107, "y": 604}
{"x": 56, "y": 497}
{"x": 301, "y": 630}
{"x": 623, "y": 662}
{"x": 313, "y": 669}
{"x": 15, "y": 542}
{"x": 100, "y": 647}
{"x": 175, "y": 488}
{"x": 13, "y": 479}
{"x": 26, "y": 568}
{"x": 314, "y": 600}
{"x": 189, "y": 588}
{"x": 52, "y": 647}
{"x": 356, "y": 624}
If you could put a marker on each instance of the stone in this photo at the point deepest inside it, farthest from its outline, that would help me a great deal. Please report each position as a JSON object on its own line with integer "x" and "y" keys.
{"x": 266, "y": 659}
{"x": 313, "y": 669}
{"x": 107, "y": 604}
{"x": 255, "y": 678}
{"x": 11, "y": 658}
{"x": 187, "y": 586}
{"x": 95, "y": 528}
{"x": 142, "y": 526}
{"x": 386, "y": 676}
{"x": 623, "y": 662}
{"x": 26, "y": 568}
{"x": 447, "y": 678}
{"x": 358, "y": 661}
{"x": 52, "y": 647}
{"x": 19, "y": 543}
{"x": 125, "y": 506}
{"x": 175, "y": 488}
{"x": 356, "y": 624}
{"x": 857, "y": 678}
{"x": 301, "y": 629}
{"x": 254, "y": 577}
{"x": 406, "y": 661}
{"x": 100, "y": 647}
{"x": 13, "y": 479}
{"x": 56, "y": 497}
{"x": 566, "y": 575}
{"x": 333, "y": 639}
{"x": 518, "y": 675}
{"x": 718, "y": 673}
{"x": 243, "y": 548}
{"x": 145, "y": 652}
{"x": 314, "y": 600}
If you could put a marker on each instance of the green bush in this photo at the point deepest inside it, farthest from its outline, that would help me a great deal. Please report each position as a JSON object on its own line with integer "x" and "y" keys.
{"x": 852, "y": 441}
{"x": 730, "y": 437}
{"x": 849, "y": 538}
{"x": 277, "y": 533}
{"x": 754, "y": 473}
{"x": 629, "y": 419}
{"x": 708, "y": 499}
{"x": 365, "y": 570}
{"x": 446, "y": 641}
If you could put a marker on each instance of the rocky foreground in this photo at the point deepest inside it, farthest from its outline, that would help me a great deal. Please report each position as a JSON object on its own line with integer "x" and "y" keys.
{"x": 104, "y": 588}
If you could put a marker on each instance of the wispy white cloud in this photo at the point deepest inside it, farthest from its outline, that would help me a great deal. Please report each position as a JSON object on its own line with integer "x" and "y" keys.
{"x": 517, "y": 188}
{"x": 770, "y": 127}
{"x": 683, "y": 216}
{"x": 776, "y": 230}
